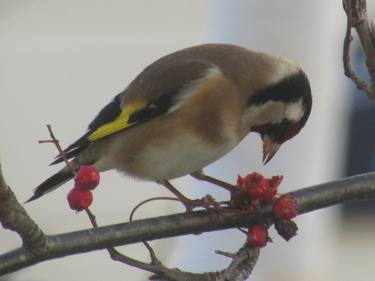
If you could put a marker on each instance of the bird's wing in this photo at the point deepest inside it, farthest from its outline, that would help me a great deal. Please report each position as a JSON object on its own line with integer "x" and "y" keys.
{"x": 153, "y": 93}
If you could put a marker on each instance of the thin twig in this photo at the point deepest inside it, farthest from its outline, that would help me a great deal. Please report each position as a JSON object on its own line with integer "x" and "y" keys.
{"x": 225, "y": 254}
{"x": 147, "y": 201}
{"x": 154, "y": 259}
{"x": 92, "y": 218}
{"x": 117, "y": 256}
{"x": 56, "y": 142}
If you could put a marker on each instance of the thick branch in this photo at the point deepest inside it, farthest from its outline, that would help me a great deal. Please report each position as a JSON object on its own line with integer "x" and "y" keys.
{"x": 14, "y": 217}
{"x": 309, "y": 199}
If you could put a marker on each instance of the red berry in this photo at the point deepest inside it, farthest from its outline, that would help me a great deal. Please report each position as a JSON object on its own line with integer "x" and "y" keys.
{"x": 87, "y": 177}
{"x": 271, "y": 190}
{"x": 269, "y": 194}
{"x": 275, "y": 181}
{"x": 285, "y": 207}
{"x": 240, "y": 182}
{"x": 257, "y": 236}
{"x": 255, "y": 185}
{"x": 79, "y": 199}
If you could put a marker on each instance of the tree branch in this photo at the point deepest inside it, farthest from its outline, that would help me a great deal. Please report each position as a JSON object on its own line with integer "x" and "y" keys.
{"x": 14, "y": 217}
{"x": 309, "y": 199}
{"x": 356, "y": 12}
{"x": 243, "y": 263}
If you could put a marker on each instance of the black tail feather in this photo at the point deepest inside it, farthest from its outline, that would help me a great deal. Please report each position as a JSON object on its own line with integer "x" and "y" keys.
{"x": 51, "y": 183}
{"x": 74, "y": 149}
{"x": 72, "y": 153}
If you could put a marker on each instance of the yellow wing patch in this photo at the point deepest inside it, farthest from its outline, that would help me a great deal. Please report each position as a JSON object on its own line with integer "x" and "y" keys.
{"x": 120, "y": 123}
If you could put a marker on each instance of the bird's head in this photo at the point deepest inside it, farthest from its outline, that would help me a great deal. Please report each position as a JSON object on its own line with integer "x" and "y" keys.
{"x": 280, "y": 109}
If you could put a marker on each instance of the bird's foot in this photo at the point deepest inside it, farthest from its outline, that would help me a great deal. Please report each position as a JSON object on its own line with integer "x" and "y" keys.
{"x": 207, "y": 202}
{"x": 199, "y": 175}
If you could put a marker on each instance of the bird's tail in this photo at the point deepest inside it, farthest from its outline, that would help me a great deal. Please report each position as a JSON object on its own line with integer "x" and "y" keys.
{"x": 51, "y": 183}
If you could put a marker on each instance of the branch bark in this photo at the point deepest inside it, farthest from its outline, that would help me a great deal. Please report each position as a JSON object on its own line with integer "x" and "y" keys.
{"x": 309, "y": 199}
{"x": 14, "y": 217}
{"x": 356, "y": 11}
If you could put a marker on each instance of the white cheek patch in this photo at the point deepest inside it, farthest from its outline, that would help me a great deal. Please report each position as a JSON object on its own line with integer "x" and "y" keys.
{"x": 274, "y": 112}
{"x": 294, "y": 111}
{"x": 269, "y": 112}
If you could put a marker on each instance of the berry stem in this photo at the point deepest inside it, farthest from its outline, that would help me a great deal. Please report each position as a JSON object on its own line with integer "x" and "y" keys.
{"x": 55, "y": 141}
{"x": 149, "y": 200}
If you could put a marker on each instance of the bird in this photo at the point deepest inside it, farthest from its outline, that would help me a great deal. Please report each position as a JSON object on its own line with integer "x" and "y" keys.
{"x": 187, "y": 110}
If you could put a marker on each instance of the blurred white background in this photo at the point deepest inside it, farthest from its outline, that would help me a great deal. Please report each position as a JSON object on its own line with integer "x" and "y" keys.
{"x": 61, "y": 61}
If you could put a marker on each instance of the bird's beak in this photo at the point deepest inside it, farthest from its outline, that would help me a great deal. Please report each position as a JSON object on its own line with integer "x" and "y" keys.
{"x": 269, "y": 148}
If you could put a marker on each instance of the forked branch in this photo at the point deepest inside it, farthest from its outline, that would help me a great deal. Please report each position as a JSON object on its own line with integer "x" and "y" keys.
{"x": 356, "y": 11}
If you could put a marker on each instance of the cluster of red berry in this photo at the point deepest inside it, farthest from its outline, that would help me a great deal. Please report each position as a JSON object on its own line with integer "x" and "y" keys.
{"x": 86, "y": 179}
{"x": 259, "y": 191}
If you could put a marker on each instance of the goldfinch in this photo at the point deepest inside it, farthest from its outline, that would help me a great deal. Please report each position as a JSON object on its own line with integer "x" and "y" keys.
{"x": 188, "y": 109}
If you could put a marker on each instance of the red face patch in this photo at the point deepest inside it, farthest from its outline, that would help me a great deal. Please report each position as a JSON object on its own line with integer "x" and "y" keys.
{"x": 279, "y": 133}
{"x": 291, "y": 130}
{"x": 261, "y": 129}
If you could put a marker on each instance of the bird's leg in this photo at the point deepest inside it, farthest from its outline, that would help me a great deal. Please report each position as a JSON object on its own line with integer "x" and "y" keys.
{"x": 188, "y": 203}
{"x": 201, "y": 176}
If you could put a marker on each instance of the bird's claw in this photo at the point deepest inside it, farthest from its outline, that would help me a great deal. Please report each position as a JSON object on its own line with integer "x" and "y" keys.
{"x": 207, "y": 202}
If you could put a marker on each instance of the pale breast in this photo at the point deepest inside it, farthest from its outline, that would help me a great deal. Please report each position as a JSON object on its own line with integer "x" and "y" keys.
{"x": 178, "y": 157}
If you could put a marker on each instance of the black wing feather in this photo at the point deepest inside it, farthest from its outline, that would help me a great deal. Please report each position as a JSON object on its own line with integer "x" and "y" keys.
{"x": 155, "y": 108}
{"x": 107, "y": 114}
